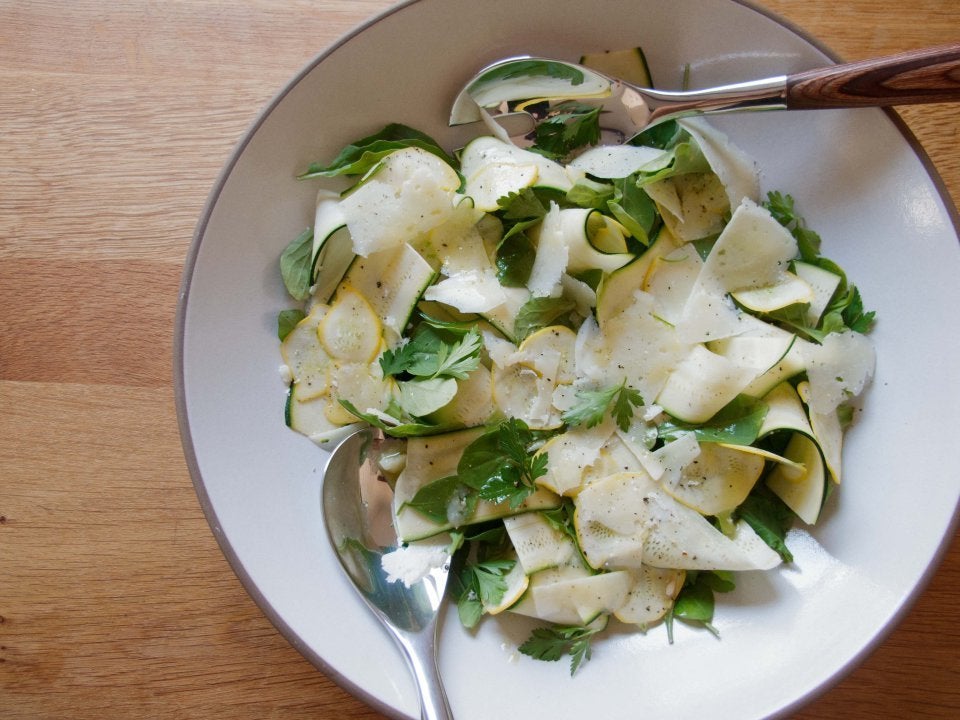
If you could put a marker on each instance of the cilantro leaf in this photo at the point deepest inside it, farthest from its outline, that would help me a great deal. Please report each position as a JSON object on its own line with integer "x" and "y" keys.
{"x": 551, "y": 644}
{"x": 296, "y": 265}
{"x": 594, "y": 404}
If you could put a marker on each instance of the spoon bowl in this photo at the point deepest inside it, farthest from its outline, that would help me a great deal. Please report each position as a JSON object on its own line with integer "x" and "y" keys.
{"x": 403, "y": 587}
{"x": 522, "y": 83}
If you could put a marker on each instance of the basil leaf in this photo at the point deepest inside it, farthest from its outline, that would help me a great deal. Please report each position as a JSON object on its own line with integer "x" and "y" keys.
{"x": 361, "y": 155}
{"x": 540, "y": 312}
{"x": 515, "y": 258}
{"x": 296, "y": 266}
{"x": 434, "y": 499}
{"x": 737, "y": 423}
{"x": 287, "y": 320}
{"x": 633, "y": 208}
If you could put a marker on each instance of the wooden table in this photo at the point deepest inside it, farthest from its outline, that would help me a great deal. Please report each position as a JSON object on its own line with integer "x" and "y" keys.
{"x": 115, "y": 601}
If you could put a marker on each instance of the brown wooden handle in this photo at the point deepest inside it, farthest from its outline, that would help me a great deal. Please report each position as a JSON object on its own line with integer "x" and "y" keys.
{"x": 919, "y": 76}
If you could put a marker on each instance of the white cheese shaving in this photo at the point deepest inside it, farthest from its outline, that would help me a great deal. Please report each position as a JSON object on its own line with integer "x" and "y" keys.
{"x": 412, "y": 563}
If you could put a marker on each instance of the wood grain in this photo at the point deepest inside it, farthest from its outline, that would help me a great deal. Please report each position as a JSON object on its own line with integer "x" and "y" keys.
{"x": 115, "y": 600}
{"x": 917, "y": 76}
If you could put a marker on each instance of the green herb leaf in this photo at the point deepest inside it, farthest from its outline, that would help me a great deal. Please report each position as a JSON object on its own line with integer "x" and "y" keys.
{"x": 594, "y": 404}
{"x": 453, "y": 361}
{"x": 662, "y": 136}
{"x": 695, "y": 602}
{"x": 769, "y": 517}
{"x": 737, "y": 423}
{"x": 430, "y": 355}
{"x": 404, "y": 427}
{"x": 499, "y": 464}
{"x": 524, "y": 204}
{"x": 633, "y": 208}
{"x": 683, "y": 158}
{"x": 434, "y": 499}
{"x": 287, "y": 320}
{"x": 481, "y": 585}
{"x": 587, "y": 193}
{"x": 361, "y": 155}
{"x": 296, "y": 265}
{"x": 515, "y": 258}
{"x": 553, "y": 643}
{"x": 783, "y": 210}
{"x": 571, "y": 125}
{"x": 539, "y": 312}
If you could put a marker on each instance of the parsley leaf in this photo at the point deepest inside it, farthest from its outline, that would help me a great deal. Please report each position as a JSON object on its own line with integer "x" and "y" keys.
{"x": 553, "y": 643}
{"x": 480, "y": 585}
{"x": 569, "y": 126}
{"x": 594, "y": 404}
{"x": 498, "y": 467}
{"x": 429, "y": 355}
{"x": 513, "y": 473}
{"x": 782, "y": 208}
{"x": 524, "y": 204}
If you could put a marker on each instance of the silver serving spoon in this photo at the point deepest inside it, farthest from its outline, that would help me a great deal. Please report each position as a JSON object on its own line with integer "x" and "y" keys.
{"x": 929, "y": 75}
{"x": 357, "y": 509}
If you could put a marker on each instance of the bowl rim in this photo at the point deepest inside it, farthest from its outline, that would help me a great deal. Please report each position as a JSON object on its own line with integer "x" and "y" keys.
{"x": 183, "y": 419}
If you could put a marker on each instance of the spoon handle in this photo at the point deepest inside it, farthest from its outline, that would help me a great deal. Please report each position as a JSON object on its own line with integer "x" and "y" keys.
{"x": 919, "y": 76}
{"x": 419, "y": 649}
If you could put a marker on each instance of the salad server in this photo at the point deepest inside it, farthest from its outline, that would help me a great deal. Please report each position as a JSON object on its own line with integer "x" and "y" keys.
{"x": 929, "y": 75}
{"x": 357, "y": 512}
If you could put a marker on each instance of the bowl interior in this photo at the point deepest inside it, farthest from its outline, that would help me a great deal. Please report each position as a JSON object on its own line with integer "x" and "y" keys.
{"x": 856, "y": 177}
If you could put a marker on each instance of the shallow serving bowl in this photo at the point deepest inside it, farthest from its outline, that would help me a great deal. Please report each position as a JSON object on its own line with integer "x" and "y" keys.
{"x": 859, "y": 179}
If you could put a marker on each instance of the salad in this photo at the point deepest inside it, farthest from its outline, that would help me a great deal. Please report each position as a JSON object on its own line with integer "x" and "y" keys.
{"x": 614, "y": 375}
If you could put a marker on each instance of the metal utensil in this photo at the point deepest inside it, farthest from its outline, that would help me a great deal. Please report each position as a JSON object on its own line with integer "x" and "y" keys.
{"x": 357, "y": 509}
{"x": 929, "y": 75}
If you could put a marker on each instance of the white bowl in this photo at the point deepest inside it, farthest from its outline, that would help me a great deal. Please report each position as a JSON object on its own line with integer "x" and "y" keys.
{"x": 859, "y": 179}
